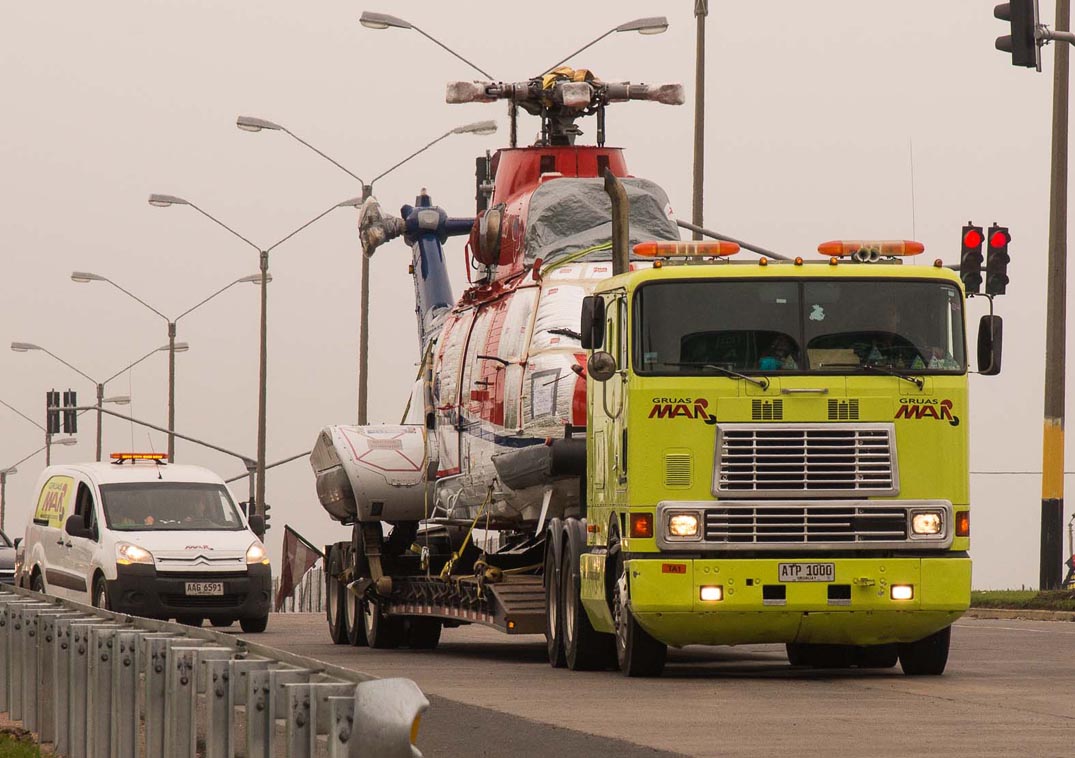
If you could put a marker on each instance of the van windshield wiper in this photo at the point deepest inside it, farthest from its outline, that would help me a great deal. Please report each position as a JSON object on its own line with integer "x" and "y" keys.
{"x": 915, "y": 380}
{"x": 763, "y": 382}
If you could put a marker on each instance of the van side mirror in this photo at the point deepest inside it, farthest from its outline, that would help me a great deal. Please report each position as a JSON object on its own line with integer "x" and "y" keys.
{"x": 76, "y": 526}
{"x": 18, "y": 541}
{"x": 257, "y": 525}
{"x": 593, "y": 322}
{"x": 990, "y": 341}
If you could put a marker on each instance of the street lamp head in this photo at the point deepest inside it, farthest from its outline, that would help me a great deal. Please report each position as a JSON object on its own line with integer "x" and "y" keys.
{"x": 651, "y": 25}
{"x": 478, "y": 127}
{"x": 252, "y": 124}
{"x": 163, "y": 201}
{"x": 83, "y": 277}
{"x": 372, "y": 20}
{"x": 255, "y": 278}
{"x": 354, "y": 202}
{"x": 10, "y": 471}
{"x": 22, "y": 347}
{"x": 180, "y": 347}
{"x": 117, "y": 399}
{"x": 65, "y": 441}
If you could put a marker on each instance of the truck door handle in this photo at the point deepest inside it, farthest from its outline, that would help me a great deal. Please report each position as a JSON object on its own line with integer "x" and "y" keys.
{"x": 59, "y": 541}
{"x": 804, "y": 390}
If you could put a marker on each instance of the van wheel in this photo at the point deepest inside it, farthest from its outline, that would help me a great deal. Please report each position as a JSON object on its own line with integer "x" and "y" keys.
{"x": 100, "y": 594}
{"x": 189, "y": 620}
{"x": 37, "y": 582}
{"x": 217, "y": 621}
{"x": 382, "y": 631}
{"x": 254, "y": 625}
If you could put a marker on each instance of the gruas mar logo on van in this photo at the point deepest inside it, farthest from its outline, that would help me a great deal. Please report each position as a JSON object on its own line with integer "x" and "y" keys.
{"x": 927, "y": 408}
{"x": 682, "y": 407}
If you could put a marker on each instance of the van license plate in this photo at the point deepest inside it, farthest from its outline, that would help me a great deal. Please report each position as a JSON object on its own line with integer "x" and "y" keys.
{"x": 205, "y": 588}
{"x": 807, "y": 572}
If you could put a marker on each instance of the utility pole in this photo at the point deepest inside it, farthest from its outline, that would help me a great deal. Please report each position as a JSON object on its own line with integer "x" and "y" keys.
{"x": 1052, "y": 480}
{"x": 701, "y": 10}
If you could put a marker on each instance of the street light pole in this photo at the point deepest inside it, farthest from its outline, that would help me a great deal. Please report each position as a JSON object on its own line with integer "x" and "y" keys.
{"x": 253, "y": 124}
{"x": 701, "y": 10}
{"x": 164, "y": 201}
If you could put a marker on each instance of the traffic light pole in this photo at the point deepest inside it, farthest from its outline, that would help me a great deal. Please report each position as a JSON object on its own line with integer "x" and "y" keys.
{"x": 1052, "y": 480}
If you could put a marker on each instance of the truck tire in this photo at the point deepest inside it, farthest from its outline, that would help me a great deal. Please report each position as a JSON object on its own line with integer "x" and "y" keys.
{"x": 927, "y": 656}
{"x": 335, "y": 594}
{"x": 353, "y": 626}
{"x": 797, "y": 654}
{"x": 423, "y": 633}
{"x": 383, "y": 632}
{"x": 637, "y": 653}
{"x": 554, "y": 637}
{"x": 585, "y": 649}
{"x": 877, "y": 656}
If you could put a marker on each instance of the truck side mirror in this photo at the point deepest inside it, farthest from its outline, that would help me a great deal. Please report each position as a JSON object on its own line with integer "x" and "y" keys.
{"x": 593, "y": 322}
{"x": 76, "y": 526}
{"x": 601, "y": 366}
{"x": 990, "y": 341}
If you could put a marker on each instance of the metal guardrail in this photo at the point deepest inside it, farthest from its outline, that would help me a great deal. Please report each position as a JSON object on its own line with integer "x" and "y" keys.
{"x": 98, "y": 684}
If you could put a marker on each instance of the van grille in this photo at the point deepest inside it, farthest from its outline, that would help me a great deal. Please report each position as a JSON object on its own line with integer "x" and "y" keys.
{"x": 820, "y": 459}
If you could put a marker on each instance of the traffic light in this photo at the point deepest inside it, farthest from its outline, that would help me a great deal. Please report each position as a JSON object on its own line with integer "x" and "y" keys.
{"x": 1022, "y": 42}
{"x": 996, "y": 261}
{"x": 267, "y": 507}
{"x": 52, "y": 412}
{"x": 970, "y": 258}
{"x": 70, "y": 416}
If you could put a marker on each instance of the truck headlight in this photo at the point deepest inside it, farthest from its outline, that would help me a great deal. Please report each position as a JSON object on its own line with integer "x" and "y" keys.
{"x": 126, "y": 554}
{"x": 256, "y": 554}
{"x": 927, "y": 523}
{"x": 683, "y": 525}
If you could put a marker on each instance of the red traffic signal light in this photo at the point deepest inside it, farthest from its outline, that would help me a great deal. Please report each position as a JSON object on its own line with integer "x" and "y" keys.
{"x": 972, "y": 236}
{"x": 970, "y": 258}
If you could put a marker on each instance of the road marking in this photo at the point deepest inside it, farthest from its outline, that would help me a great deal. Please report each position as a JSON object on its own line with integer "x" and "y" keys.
{"x": 1011, "y": 629}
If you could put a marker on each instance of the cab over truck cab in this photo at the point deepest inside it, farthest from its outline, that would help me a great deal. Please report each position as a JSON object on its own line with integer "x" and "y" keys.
{"x": 147, "y": 538}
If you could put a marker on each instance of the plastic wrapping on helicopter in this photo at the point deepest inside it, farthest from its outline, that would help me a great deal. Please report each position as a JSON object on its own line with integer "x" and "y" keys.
{"x": 567, "y": 215}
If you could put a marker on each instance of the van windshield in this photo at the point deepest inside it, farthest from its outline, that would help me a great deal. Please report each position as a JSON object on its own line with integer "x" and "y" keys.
{"x": 169, "y": 506}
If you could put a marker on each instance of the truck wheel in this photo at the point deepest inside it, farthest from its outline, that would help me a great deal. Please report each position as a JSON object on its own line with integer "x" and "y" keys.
{"x": 637, "y": 653}
{"x": 554, "y": 643}
{"x": 797, "y": 654}
{"x": 354, "y": 628}
{"x": 423, "y": 634}
{"x": 254, "y": 625}
{"x": 877, "y": 656}
{"x": 927, "y": 656}
{"x": 585, "y": 649}
{"x": 382, "y": 631}
{"x": 334, "y": 599}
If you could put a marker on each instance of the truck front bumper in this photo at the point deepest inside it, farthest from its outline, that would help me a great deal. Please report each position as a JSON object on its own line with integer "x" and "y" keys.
{"x": 856, "y": 608}
{"x": 143, "y": 591}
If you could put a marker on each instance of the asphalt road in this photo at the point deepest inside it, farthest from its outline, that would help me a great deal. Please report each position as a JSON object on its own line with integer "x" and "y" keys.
{"x": 1009, "y": 690}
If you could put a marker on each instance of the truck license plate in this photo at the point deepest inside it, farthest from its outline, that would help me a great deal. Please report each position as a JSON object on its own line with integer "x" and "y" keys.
{"x": 807, "y": 572}
{"x": 205, "y": 588}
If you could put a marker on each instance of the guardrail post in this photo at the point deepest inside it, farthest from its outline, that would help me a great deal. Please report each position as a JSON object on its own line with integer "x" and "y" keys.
{"x": 47, "y": 649}
{"x": 218, "y": 708}
{"x": 125, "y": 693}
{"x": 308, "y": 714}
{"x": 180, "y": 734}
{"x": 62, "y": 692}
{"x": 342, "y": 714}
{"x": 80, "y": 698}
{"x": 19, "y": 650}
{"x": 102, "y": 646}
{"x": 155, "y": 654}
{"x": 30, "y": 658}
{"x": 264, "y": 704}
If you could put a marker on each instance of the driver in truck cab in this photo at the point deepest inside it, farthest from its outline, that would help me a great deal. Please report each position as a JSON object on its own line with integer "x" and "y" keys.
{"x": 148, "y": 538}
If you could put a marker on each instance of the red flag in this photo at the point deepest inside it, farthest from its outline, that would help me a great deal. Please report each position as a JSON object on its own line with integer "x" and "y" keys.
{"x": 299, "y": 557}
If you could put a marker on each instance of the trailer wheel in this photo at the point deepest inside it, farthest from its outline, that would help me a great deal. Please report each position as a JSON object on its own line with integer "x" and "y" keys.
{"x": 423, "y": 633}
{"x": 585, "y": 649}
{"x": 383, "y": 632}
{"x": 928, "y": 656}
{"x": 637, "y": 652}
{"x": 335, "y": 595}
{"x": 554, "y": 643}
{"x": 354, "y": 628}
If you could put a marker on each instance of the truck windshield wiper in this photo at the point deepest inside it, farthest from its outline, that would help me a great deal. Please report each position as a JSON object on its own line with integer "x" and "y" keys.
{"x": 915, "y": 380}
{"x": 567, "y": 333}
{"x": 763, "y": 382}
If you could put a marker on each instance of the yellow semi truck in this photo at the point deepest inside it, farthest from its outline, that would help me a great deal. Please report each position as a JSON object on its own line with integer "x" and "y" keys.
{"x": 776, "y": 453}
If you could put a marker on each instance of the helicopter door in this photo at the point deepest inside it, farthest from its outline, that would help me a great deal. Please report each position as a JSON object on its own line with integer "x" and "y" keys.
{"x": 482, "y": 394}
{"x": 446, "y": 376}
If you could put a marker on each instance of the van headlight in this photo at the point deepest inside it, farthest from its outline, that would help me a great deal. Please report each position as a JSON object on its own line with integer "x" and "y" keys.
{"x": 256, "y": 554}
{"x": 126, "y": 554}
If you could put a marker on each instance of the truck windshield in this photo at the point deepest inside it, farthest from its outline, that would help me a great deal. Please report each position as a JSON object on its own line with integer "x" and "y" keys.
{"x": 175, "y": 506}
{"x": 832, "y": 326}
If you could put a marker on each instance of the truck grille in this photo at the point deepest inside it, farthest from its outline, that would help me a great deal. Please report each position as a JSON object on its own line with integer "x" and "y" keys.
{"x": 768, "y": 460}
{"x": 805, "y": 524}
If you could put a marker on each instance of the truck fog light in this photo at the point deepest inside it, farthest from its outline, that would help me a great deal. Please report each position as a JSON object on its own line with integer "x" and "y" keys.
{"x": 929, "y": 522}
{"x": 715, "y": 592}
{"x": 902, "y": 591}
{"x": 683, "y": 525}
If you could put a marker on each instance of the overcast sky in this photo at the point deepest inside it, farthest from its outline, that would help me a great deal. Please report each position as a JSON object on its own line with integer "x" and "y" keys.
{"x": 814, "y": 111}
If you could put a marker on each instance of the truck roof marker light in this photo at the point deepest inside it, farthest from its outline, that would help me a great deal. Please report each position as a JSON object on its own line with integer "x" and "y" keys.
{"x": 642, "y": 525}
{"x": 833, "y": 260}
{"x": 763, "y": 261}
{"x": 884, "y": 248}
{"x": 139, "y": 456}
{"x": 938, "y": 263}
{"x": 963, "y": 524}
{"x": 798, "y": 260}
{"x": 658, "y": 264}
{"x": 686, "y": 249}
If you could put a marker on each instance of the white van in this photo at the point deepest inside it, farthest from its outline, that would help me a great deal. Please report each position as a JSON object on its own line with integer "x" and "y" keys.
{"x": 148, "y": 538}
